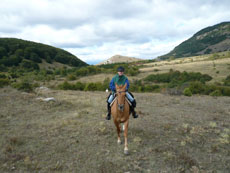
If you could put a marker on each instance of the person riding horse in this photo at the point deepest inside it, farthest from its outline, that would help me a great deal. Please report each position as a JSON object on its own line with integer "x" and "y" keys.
{"x": 120, "y": 79}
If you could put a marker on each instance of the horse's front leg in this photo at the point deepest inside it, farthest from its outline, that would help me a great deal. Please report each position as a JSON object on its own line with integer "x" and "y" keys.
{"x": 118, "y": 132}
{"x": 126, "y": 124}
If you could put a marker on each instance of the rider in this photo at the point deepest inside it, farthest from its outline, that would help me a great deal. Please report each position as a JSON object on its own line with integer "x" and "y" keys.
{"x": 120, "y": 79}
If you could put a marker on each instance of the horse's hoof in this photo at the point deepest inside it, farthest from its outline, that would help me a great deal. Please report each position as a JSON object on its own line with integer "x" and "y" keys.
{"x": 126, "y": 152}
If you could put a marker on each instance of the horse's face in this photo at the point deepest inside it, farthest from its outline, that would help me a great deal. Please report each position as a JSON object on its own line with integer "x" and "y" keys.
{"x": 120, "y": 96}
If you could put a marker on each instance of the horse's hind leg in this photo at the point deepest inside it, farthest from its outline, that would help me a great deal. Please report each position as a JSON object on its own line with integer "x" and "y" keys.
{"x": 118, "y": 132}
{"x": 126, "y": 124}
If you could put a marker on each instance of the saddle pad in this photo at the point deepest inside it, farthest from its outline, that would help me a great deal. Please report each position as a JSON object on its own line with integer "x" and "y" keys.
{"x": 128, "y": 101}
{"x": 113, "y": 101}
{"x": 125, "y": 98}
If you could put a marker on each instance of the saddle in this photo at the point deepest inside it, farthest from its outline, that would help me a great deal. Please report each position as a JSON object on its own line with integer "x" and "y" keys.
{"x": 130, "y": 104}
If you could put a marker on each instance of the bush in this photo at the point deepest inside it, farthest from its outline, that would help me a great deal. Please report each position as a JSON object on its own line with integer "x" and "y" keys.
{"x": 176, "y": 78}
{"x": 66, "y": 86}
{"x": 71, "y": 77}
{"x": 227, "y": 81}
{"x": 196, "y": 87}
{"x": 4, "y": 82}
{"x": 79, "y": 86}
{"x": 187, "y": 92}
{"x": 29, "y": 65}
{"x": 151, "y": 88}
{"x": 90, "y": 87}
{"x": 216, "y": 93}
{"x": 3, "y": 76}
{"x": 225, "y": 91}
{"x": 23, "y": 86}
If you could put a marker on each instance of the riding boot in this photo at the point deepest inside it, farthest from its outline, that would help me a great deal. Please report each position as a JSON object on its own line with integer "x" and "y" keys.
{"x": 108, "y": 117}
{"x": 133, "y": 112}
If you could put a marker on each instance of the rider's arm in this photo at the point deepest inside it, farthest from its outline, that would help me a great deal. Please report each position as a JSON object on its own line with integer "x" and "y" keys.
{"x": 127, "y": 86}
{"x": 112, "y": 86}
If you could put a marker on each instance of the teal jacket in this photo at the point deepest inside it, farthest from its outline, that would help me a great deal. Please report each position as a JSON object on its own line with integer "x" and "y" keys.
{"x": 119, "y": 80}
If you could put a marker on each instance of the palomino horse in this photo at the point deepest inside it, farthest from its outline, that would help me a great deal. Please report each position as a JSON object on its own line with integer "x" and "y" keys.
{"x": 120, "y": 111}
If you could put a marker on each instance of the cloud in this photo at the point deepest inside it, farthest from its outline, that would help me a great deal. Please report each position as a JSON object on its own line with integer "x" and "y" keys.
{"x": 96, "y": 30}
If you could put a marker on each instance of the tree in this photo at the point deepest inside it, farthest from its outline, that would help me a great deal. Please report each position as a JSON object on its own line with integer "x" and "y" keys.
{"x": 3, "y": 52}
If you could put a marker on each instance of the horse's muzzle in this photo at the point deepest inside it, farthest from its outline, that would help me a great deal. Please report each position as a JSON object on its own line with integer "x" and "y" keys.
{"x": 121, "y": 107}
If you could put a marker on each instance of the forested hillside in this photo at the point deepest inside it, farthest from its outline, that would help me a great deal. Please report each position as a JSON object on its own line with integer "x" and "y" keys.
{"x": 212, "y": 39}
{"x": 28, "y": 54}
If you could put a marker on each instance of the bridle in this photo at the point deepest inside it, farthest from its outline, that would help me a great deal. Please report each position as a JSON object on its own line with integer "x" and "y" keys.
{"x": 120, "y": 106}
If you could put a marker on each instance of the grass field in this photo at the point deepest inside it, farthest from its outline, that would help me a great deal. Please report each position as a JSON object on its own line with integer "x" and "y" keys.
{"x": 218, "y": 68}
{"x": 172, "y": 134}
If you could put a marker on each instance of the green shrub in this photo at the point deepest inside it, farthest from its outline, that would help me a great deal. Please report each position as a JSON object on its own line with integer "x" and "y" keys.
{"x": 216, "y": 93}
{"x": 210, "y": 88}
{"x": 187, "y": 92}
{"x": 23, "y": 86}
{"x": 197, "y": 87}
{"x": 4, "y": 82}
{"x": 66, "y": 86}
{"x": 225, "y": 90}
{"x": 90, "y": 87}
{"x": 71, "y": 77}
{"x": 79, "y": 86}
{"x": 3, "y": 76}
{"x": 176, "y": 78}
{"x": 151, "y": 88}
{"x": 227, "y": 81}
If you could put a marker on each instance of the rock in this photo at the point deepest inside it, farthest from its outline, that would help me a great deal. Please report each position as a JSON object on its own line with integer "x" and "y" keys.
{"x": 137, "y": 139}
{"x": 46, "y": 99}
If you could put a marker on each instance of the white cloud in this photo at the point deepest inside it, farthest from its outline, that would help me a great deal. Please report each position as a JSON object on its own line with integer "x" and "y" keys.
{"x": 96, "y": 30}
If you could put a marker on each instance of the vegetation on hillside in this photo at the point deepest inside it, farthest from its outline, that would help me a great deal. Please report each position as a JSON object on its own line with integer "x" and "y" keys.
{"x": 28, "y": 54}
{"x": 201, "y": 42}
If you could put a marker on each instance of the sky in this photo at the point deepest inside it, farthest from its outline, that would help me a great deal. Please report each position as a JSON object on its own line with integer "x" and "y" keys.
{"x": 95, "y": 30}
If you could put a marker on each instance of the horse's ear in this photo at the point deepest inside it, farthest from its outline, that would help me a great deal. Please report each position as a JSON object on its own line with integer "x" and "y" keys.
{"x": 124, "y": 86}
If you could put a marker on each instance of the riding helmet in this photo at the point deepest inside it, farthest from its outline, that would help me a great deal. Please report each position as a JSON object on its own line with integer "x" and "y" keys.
{"x": 120, "y": 69}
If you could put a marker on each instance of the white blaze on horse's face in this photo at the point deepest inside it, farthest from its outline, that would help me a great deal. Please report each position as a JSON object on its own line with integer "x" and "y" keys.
{"x": 120, "y": 97}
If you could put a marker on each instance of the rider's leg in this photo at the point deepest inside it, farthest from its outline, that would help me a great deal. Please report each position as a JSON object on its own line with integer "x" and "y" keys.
{"x": 109, "y": 101}
{"x": 133, "y": 102}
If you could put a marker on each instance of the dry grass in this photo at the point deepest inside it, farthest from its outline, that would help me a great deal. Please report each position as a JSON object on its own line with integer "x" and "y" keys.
{"x": 218, "y": 69}
{"x": 173, "y": 134}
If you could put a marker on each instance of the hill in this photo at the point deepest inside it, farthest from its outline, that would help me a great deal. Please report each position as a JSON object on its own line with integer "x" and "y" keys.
{"x": 119, "y": 59}
{"x": 209, "y": 40}
{"x": 28, "y": 54}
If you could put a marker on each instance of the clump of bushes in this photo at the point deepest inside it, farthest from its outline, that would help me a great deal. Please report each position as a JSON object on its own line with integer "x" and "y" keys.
{"x": 214, "y": 90}
{"x": 187, "y": 92}
{"x": 176, "y": 78}
{"x": 4, "y": 82}
{"x": 102, "y": 86}
{"x": 98, "y": 86}
{"x": 227, "y": 81}
{"x": 24, "y": 86}
{"x": 71, "y": 77}
{"x": 216, "y": 93}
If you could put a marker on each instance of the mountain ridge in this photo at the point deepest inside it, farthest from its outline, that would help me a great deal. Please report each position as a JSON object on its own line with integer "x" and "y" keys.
{"x": 119, "y": 59}
{"x": 211, "y": 39}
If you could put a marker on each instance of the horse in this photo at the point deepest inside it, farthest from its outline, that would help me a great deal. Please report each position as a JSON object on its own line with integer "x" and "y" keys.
{"x": 120, "y": 111}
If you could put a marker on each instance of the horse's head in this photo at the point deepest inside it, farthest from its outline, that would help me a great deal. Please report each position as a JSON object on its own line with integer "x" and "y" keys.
{"x": 121, "y": 96}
